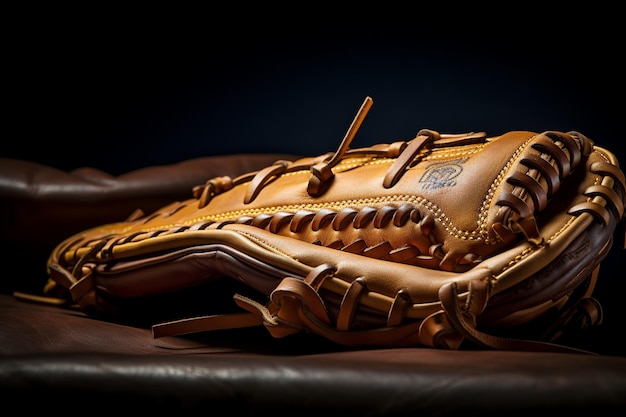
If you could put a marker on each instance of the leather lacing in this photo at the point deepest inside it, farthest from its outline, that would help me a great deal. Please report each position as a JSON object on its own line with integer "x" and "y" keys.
{"x": 609, "y": 195}
{"x": 285, "y": 315}
{"x": 425, "y": 250}
{"x": 321, "y": 168}
{"x": 559, "y": 154}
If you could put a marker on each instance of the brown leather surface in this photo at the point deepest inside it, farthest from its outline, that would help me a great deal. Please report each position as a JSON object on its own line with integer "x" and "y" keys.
{"x": 59, "y": 356}
{"x": 36, "y": 182}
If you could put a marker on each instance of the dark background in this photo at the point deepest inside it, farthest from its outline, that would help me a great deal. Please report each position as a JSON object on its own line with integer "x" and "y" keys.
{"x": 95, "y": 89}
{"x": 121, "y": 93}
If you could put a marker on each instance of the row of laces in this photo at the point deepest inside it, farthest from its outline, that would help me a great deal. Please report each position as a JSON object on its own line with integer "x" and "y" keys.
{"x": 321, "y": 167}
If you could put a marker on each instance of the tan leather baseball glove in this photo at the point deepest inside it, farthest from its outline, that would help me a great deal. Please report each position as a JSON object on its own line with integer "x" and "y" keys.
{"x": 433, "y": 241}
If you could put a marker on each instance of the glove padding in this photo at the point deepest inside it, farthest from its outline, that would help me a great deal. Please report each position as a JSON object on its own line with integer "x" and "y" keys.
{"x": 432, "y": 241}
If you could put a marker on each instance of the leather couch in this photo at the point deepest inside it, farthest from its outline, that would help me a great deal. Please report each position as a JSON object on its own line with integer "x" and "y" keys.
{"x": 58, "y": 359}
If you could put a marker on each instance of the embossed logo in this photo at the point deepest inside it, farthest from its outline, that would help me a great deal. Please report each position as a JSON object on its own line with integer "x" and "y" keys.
{"x": 442, "y": 174}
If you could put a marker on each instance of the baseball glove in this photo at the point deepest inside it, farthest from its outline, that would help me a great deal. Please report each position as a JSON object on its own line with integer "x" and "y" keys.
{"x": 433, "y": 241}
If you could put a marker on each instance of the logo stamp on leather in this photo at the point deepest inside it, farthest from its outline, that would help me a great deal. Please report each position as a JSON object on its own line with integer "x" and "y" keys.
{"x": 442, "y": 174}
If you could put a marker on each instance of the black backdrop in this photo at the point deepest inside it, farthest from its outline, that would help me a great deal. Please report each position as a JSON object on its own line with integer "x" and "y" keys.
{"x": 120, "y": 94}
